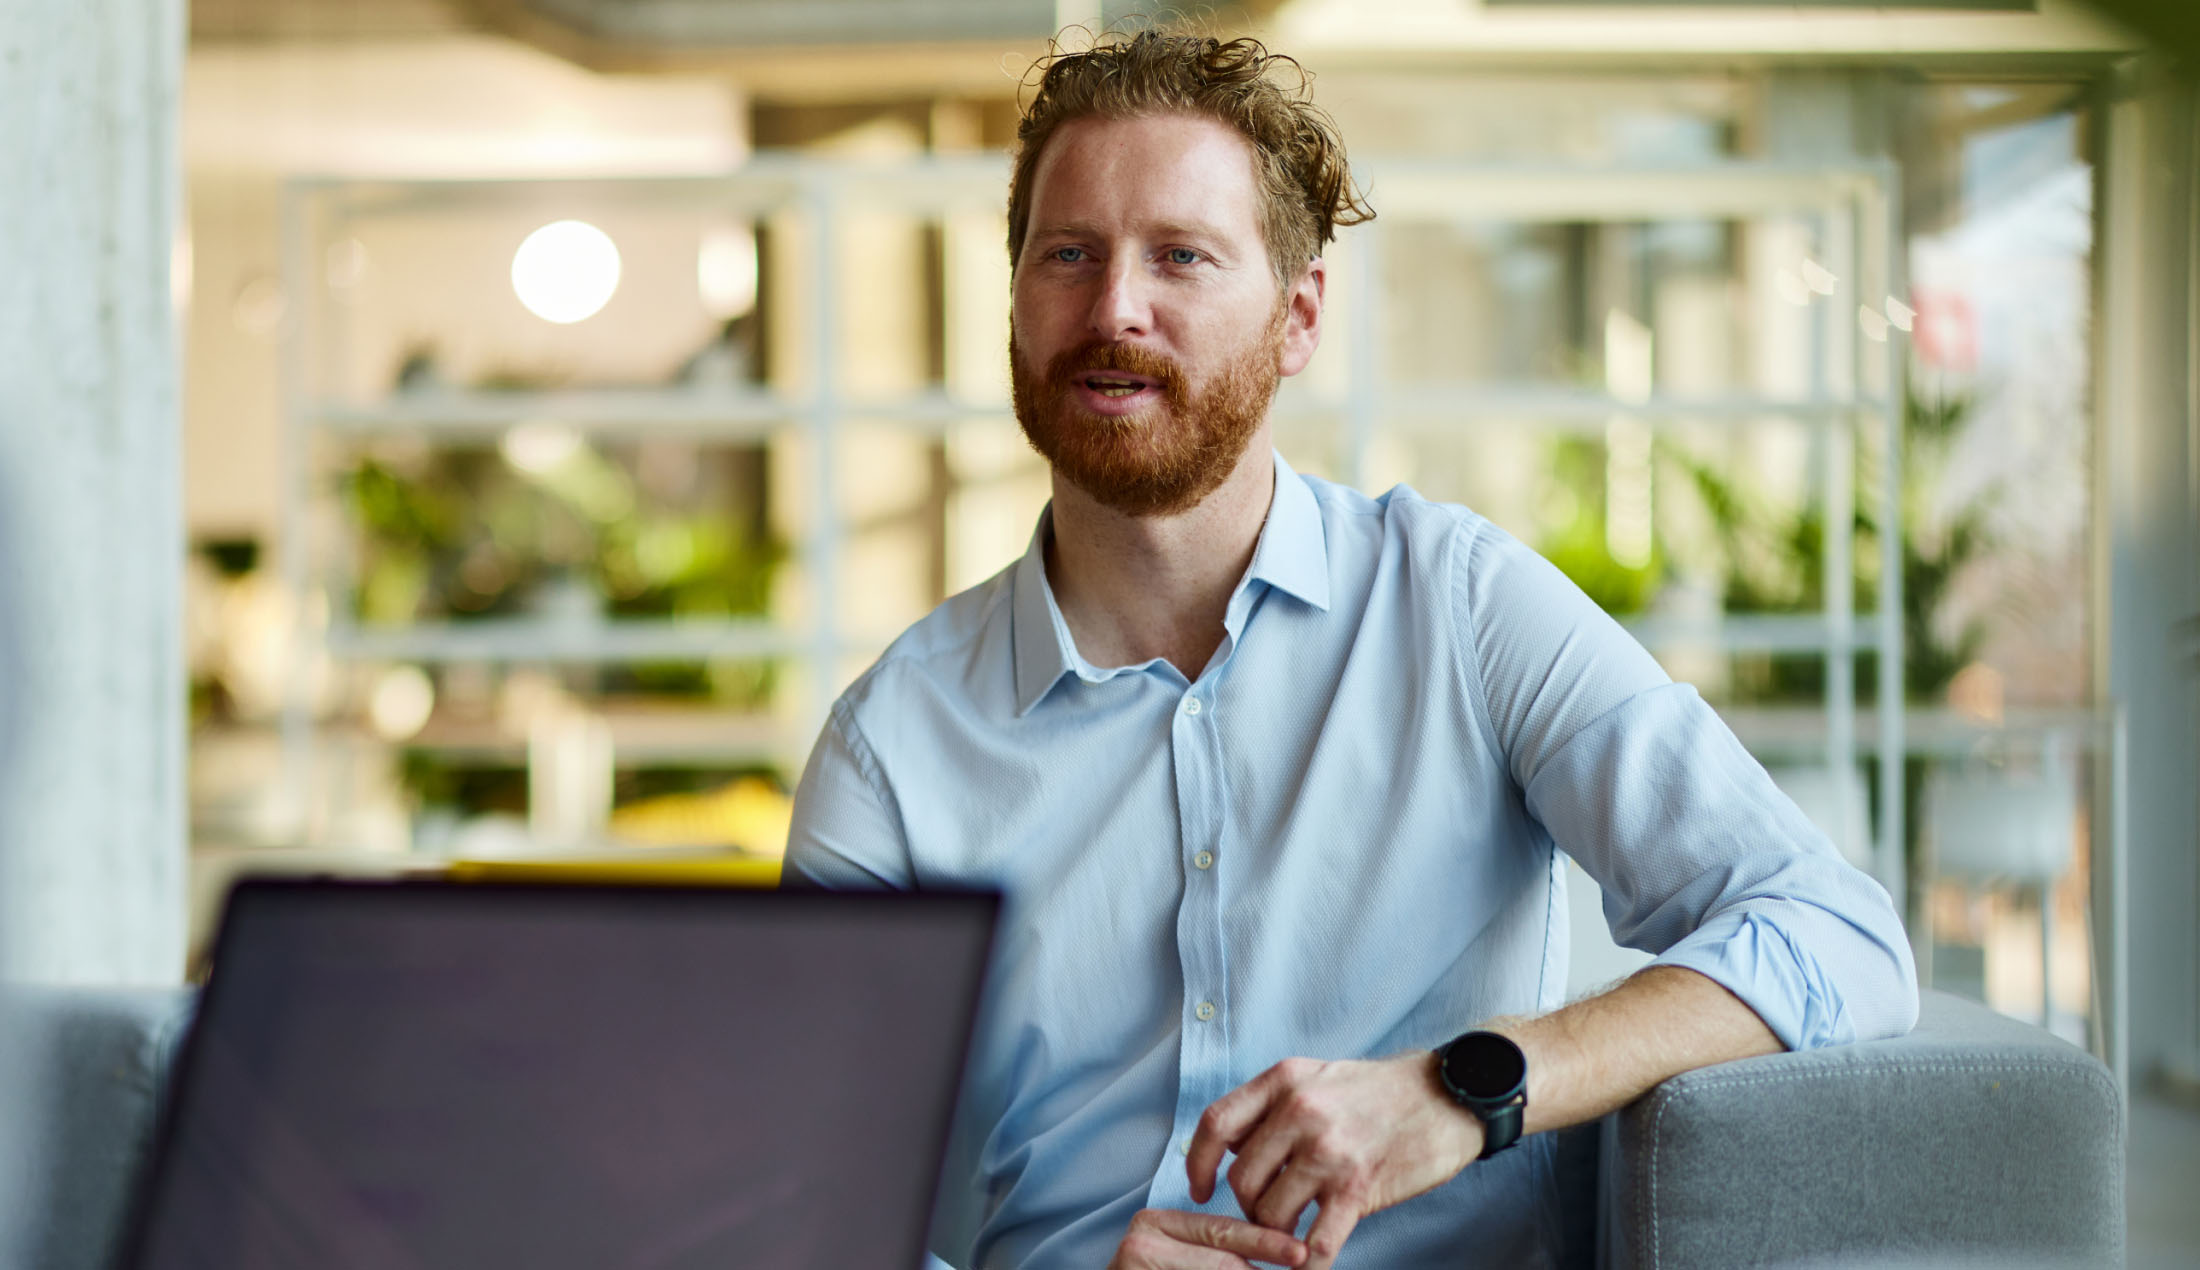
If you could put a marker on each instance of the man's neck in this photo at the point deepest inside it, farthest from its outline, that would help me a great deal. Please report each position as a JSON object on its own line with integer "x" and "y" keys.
{"x": 1133, "y": 588}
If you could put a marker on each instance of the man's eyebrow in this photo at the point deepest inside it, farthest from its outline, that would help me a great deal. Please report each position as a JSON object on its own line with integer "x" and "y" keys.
{"x": 1068, "y": 229}
{"x": 1189, "y": 229}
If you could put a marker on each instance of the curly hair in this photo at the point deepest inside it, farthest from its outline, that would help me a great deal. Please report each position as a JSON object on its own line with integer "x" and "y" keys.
{"x": 1306, "y": 188}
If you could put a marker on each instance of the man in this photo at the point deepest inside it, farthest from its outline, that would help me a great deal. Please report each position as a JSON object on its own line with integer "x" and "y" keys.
{"x": 1275, "y": 776}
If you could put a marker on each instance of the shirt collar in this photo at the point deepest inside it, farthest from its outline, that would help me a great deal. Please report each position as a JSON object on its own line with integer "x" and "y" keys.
{"x": 1292, "y": 556}
{"x": 1044, "y": 650}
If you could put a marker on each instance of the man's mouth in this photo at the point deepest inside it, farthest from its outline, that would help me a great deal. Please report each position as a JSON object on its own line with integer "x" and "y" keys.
{"x": 1114, "y": 385}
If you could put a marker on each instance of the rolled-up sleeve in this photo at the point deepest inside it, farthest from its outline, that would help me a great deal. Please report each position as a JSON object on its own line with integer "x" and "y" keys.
{"x": 1704, "y": 862}
{"x": 847, "y": 832}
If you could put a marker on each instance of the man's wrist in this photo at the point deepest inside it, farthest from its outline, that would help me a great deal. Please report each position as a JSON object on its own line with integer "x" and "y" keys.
{"x": 1486, "y": 1074}
{"x": 1470, "y": 1131}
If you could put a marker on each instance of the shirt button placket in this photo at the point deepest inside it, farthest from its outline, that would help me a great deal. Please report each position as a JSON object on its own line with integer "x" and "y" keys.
{"x": 1204, "y": 1053}
{"x": 1208, "y": 886}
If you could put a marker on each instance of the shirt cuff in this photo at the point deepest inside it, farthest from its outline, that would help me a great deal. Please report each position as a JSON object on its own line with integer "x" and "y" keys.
{"x": 1748, "y": 954}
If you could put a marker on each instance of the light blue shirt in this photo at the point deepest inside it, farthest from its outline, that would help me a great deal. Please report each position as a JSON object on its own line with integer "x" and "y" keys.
{"x": 1340, "y": 841}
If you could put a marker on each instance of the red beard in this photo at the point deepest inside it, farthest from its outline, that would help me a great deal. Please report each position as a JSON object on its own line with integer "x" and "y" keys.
{"x": 1164, "y": 459}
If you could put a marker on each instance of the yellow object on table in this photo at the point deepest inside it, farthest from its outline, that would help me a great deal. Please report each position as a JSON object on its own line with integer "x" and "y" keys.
{"x": 749, "y": 813}
{"x": 730, "y": 836}
{"x": 714, "y": 869}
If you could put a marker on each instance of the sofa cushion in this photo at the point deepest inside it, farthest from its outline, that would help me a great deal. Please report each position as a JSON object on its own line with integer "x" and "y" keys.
{"x": 1973, "y": 1134}
{"x": 86, "y": 1068}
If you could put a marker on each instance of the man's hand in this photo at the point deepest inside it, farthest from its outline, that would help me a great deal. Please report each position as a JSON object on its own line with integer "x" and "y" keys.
{"x": 1163, "y": 1239}
{"x": 1354, "y": 1136}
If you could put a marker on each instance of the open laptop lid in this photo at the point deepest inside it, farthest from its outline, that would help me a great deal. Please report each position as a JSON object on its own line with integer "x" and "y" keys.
{"x": 420, "y": 1074}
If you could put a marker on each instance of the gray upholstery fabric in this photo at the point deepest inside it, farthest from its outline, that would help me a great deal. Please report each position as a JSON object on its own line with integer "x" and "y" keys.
{"x": 97, "y": 1060}
{"x": 1973, "y": 1135}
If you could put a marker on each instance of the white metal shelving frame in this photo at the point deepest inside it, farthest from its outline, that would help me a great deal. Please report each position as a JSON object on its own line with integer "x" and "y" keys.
{"x": 1856, "y": 385}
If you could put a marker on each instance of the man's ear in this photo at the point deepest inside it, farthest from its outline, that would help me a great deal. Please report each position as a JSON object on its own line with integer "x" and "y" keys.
{"x": 1302, "y": 318}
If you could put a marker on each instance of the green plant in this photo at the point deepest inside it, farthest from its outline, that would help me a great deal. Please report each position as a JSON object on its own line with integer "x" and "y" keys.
{"x": 457, "y": 532}
{"x": 1774, "y": 561}
{"x": 1578, "y": 545}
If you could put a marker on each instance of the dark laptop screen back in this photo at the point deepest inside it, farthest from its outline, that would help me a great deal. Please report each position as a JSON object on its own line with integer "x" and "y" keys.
{"x": 429, "y": 1075}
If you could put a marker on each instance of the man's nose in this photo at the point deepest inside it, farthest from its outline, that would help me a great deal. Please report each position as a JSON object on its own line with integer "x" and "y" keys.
{"x": 1124, "y": 305}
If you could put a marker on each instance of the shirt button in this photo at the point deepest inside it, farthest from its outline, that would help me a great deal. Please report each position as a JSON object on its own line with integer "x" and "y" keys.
{"x": 1205, "y": 1010}
{"x": 1184, "y": 1147}
{"x": 1204, "y": 860}
{"x": 1191, "y": 705}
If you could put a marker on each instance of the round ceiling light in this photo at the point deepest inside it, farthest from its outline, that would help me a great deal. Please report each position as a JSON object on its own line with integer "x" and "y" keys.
{"x": 565, "y": 271}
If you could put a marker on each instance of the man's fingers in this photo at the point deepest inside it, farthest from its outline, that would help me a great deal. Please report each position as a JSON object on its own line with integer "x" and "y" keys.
{"x": 1332, "y": 1225}
{"x": 1227, "y": 1120}
{"x": 1284, "y": 1202}
{"x": 1227, "y": 1234}
{"x": 1261, "y": 1159}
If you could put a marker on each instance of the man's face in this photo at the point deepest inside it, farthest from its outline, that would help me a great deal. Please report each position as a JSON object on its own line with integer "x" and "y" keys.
{"x": 1146, "y": 332}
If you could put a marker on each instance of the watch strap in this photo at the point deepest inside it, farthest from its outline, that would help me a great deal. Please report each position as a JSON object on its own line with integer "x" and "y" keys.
{"x": 1500, "y": 1125}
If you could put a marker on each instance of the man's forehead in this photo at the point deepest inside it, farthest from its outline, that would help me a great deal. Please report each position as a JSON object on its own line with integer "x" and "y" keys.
{"x": 1185, "y": 170}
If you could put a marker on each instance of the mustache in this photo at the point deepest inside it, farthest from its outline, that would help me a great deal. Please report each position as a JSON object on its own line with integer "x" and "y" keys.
{"x": 1097, "y": 355}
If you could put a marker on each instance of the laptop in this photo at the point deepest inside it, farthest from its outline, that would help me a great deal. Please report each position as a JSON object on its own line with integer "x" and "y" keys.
{"x": 414, "y": 1075}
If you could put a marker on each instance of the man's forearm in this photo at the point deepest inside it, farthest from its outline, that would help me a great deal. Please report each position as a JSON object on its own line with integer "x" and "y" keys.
{"x": 1599, "y": 1054}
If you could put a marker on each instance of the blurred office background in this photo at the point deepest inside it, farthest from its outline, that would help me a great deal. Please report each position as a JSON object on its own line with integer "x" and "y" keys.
{"x": 575, "y": 394}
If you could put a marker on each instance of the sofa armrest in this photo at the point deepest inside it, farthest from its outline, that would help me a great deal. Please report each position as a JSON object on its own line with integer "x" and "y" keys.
{"x": 1973, "y": 1134}
{"x": 87, "y": 1069}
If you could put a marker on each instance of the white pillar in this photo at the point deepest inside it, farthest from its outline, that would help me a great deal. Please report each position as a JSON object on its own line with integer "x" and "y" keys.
{"x": 2147, "y": 534}
{"x": 92, "y": 696}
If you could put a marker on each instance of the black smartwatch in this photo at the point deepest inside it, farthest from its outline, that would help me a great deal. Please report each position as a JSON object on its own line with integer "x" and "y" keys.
{"x": 1488, "y": 1075}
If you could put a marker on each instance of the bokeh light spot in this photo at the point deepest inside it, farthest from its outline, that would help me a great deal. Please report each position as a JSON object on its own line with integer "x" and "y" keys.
{"x": 566, "y": 271}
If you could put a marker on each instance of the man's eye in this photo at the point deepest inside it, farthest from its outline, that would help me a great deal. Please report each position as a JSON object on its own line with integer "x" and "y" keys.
{"x": 1069, "y": 255}
{"x": 1183, "y": 256}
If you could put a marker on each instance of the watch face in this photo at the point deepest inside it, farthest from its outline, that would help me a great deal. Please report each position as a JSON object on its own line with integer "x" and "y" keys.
{"x": 1485, "y": 1066}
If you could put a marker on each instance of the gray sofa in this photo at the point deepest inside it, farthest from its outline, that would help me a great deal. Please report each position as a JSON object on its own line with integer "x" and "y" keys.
{"x": 81, "y": 1073}
{"x": 1974, "y": 1140}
